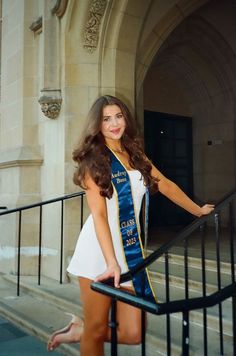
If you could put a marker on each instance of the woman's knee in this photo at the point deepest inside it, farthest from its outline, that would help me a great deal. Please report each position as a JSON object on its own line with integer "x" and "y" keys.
{"x": 97, "y": 331}
{"x": 136, "y": 337}
{"x": 132, "y": 336}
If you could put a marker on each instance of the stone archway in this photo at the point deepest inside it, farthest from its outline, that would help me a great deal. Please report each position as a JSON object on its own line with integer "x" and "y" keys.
{"x": 128, "y": 36}
{"x": 198, "y": 59}
{"x": 155, "y": 33}
{"x": 119, "y": 47}
{"x": 131, "y": 36}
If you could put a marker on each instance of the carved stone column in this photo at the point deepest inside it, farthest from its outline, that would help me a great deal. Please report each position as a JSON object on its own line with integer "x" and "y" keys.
{"x": 50, "y": 99}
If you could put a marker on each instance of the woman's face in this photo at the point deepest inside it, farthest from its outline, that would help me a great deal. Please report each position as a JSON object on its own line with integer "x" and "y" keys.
{"x": 113, "y": 123}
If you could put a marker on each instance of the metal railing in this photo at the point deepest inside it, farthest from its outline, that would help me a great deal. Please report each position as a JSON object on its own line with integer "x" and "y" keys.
{"x": 186, "y": 304}
{"x": 40, "y": 205}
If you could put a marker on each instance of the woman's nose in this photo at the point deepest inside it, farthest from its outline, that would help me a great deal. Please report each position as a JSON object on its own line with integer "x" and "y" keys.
{"x": 114, "y": 121}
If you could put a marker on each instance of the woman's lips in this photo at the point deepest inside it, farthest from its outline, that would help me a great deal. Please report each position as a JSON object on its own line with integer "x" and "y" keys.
{"x": 116, "y": 131}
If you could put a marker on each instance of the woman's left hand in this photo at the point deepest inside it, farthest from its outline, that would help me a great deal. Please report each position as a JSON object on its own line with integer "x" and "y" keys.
{"x": 112, "y": 271}
{"x": 207, "y": 209}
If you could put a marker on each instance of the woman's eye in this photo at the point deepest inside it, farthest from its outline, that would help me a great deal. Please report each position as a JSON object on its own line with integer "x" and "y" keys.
{"x": 119, "y": 116}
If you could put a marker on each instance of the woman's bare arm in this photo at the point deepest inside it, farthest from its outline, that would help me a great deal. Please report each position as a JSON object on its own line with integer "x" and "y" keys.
{"x": 97, "y": 206}
{"x": 175, "y": 194}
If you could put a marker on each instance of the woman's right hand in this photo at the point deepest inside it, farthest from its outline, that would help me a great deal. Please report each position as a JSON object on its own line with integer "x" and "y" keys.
{"x": 207, "y": 209}
{"x": 112, "y": 271}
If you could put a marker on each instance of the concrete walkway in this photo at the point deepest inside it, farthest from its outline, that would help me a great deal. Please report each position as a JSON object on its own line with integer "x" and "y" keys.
{"x": 15, "y": 342}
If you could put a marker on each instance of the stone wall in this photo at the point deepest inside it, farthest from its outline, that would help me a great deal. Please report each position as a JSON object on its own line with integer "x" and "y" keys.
{"x": 57, "y": 57}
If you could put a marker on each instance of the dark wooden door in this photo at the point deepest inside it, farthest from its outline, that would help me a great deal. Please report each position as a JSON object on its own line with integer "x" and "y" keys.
{"x": 168, "y": 143}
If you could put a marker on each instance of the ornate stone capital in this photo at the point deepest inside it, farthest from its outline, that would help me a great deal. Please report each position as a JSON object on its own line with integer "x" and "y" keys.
{"x": 50, "y": 102}
{"x": 91, "y": 33}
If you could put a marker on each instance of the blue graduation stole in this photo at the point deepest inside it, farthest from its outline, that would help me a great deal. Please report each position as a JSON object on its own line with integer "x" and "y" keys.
{"x": 129, "y": 228}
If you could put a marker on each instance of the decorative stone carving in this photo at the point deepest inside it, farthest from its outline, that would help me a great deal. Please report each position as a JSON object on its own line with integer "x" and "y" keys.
{"x": 91, "y": 34}
{"x": 36, "y": 26}
{"x": 60, "y": 8}
{"x": 50, "y": 102}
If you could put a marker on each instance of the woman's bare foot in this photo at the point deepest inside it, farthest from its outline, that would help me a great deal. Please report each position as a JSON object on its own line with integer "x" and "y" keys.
{"x": 69, "y": 334}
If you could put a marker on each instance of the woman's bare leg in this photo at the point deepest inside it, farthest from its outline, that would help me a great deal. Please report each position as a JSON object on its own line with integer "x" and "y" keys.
{"x": 96, "y": 311}
{"x": 129, "y": 324}
{"x": 96, "y": 317}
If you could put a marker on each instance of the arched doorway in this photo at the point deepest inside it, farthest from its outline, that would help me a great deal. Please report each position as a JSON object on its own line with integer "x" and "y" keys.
{"x": 191, "y": 75}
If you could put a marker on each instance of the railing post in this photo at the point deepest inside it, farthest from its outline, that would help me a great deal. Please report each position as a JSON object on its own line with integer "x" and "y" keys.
{"x": 113, "y": 326}
{"x": 203, "y": 234}
{"x": 40, "y": 245}
{"x": 186, "y": 268}
{"x": 143, "y": 317}
{"x": 185, "y": 341}
{"x": 18, "y": 254}
{"x": 62, "y": 234}
{"x": 185, "y": 336}
{"x": 231, "y": 223}
{"x": 217, "y": 234}
{"x": 168, "y": 329}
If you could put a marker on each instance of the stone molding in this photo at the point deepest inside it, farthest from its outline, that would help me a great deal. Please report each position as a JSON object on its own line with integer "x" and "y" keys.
{"x": 91, "y": 33}
{"x": 50, "y": 102}
{"x": 20, "y": 156}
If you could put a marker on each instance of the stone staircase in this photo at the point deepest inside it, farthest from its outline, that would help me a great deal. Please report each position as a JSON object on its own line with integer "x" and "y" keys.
{"x": 41, "y": 309}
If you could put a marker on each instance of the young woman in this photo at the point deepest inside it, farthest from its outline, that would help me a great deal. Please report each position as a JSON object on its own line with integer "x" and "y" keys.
{"x": 115, "y": 173}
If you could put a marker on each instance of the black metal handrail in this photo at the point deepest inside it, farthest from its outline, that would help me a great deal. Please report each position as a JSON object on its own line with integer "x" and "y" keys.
{"x": 197, "y": 223}
{"x": 187, "y": 304}
{"x": 180, "y": 305}
{"x": 170, "y": 306}
{"x": 40, "y": 205}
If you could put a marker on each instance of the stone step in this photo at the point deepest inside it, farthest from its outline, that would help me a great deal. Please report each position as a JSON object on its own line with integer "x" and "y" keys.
{"x": 29, "y": 286}
{"x": 177, "y": 275}
{"x": 194, "y": 244}
{"x": 176, "y": 268}
{"x": 40, "y": 310}
{"x": 194, "y": 262}
{"x": 194, "y": 287}
{"x": 66, "y": 298}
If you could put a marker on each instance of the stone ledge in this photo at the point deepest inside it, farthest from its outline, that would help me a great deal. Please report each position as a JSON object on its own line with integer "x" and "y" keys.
{"x": 20, "y": 156}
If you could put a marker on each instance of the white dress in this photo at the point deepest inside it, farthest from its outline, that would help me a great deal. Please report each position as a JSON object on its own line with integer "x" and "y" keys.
{"x": 87, "y": 260}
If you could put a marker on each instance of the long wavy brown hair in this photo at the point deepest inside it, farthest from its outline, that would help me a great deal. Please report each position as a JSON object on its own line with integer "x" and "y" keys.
{"x": 92, "y": 154}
